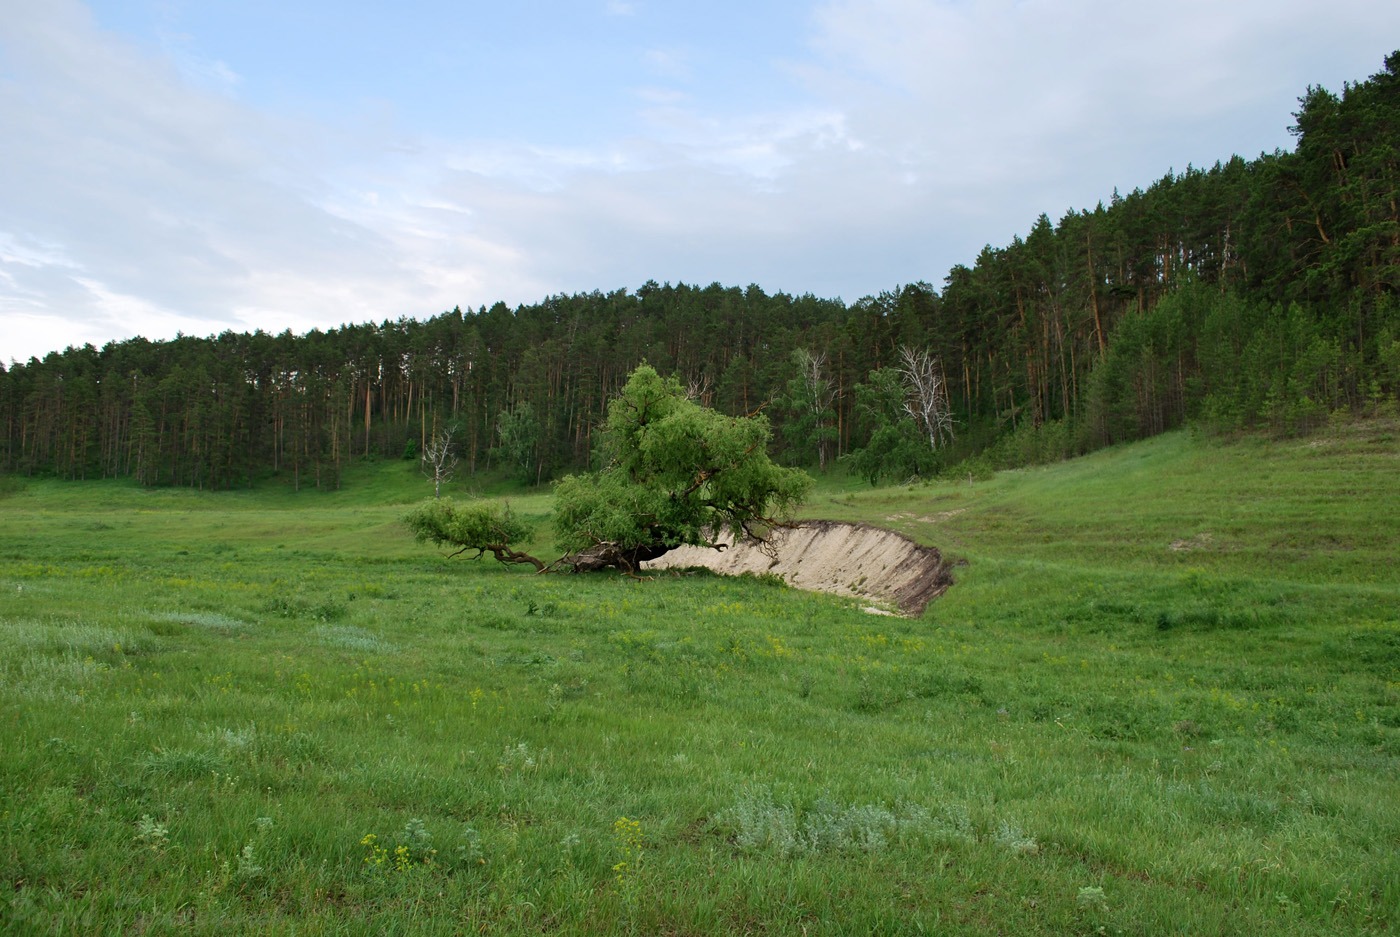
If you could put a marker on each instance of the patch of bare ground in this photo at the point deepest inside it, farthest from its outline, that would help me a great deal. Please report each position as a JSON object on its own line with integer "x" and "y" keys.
{"x": 1199, "y": 542}
{"x": 830, "y": 556}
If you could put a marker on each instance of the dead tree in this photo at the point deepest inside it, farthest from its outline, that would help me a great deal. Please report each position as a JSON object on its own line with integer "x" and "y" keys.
{"x": 926, "y": 395}
{"x": 813, "y": 395}
{"x": 697, "y": 388}
{"x": 439, "y": 461}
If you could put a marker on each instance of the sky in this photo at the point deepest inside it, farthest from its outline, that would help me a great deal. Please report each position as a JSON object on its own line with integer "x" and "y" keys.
{"x": 197, "y": 166}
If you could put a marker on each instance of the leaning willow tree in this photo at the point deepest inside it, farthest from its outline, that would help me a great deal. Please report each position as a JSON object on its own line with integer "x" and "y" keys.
{"x": 675, "y": 473}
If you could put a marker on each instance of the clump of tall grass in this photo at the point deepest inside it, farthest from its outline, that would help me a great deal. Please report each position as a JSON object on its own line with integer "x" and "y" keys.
{"x": 60, "y": 661}
{"x": 1010, "y": 836}
{"x": 181, "y": 763}
{"x": 239, "y": 739}
{"x": 758, "y": 822}
{"x": 210, "y": 621}
{"x": 351, "y": 638}
{"x": 286, "y": 606}
{"x": 68, "y": 637}
{"x": 63, "y": 679}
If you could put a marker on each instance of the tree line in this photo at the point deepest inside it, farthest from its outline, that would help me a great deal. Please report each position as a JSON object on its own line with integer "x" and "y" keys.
{"x": 1253, "y": 292}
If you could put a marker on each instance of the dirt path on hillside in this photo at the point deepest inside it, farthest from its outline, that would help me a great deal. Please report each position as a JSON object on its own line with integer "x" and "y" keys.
{"x": 829, "y": 556}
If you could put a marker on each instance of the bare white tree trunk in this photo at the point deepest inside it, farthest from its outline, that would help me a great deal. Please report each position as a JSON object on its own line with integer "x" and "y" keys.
{"x": 926, "y": 396}
{"x": 439, "y": 461}
{"x": 697, "y": 388}
{"x": 820, "y": 395}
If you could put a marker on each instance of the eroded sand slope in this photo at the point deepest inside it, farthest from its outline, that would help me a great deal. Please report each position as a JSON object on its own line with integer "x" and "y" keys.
{"x": 829, "y": 556}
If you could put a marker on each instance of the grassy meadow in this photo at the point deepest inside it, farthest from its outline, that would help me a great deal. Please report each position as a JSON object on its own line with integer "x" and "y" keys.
{"x": 1162, "y": 698}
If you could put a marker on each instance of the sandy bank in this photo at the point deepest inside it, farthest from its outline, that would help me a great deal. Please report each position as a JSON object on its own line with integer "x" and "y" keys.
{"x": 829, "y": 556}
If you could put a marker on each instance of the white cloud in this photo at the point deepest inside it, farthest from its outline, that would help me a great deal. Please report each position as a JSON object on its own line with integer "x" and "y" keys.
{"x": 135, "y": 201}
{"x": 141, "y": 195}
{"x": 676, "y": 64}
{"x": 15, "y": 249}
{"x": 197, "y": 69}
{"x": 987, "y": 91}
{"x": 661, "y": 96}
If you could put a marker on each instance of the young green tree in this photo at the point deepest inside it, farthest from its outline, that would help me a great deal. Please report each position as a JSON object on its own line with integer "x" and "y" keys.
{"x": 476, "y": 525}
{"x": 897, "y": 448}
{"x": 675, "y": 473}
{"x": 811, "y": 423}
{"x": 518, "y": 430}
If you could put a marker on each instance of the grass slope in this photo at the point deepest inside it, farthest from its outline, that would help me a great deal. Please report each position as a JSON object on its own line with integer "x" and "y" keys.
{"x": 1164, "y": 697}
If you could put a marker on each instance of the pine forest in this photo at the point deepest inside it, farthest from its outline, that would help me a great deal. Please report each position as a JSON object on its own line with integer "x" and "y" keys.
{"x": 1254, "y": 293}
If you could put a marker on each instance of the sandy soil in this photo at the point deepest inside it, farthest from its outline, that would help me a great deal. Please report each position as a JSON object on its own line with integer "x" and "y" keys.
{"x": 828, "y": 556}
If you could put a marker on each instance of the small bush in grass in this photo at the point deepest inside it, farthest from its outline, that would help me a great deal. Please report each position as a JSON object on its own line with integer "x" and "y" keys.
{"x": 351, "y": 638}
{"x": 759, "y": 823}
{"x": 211, "y": 621}
{"x": 155, "y": 836}
{"x": 181, "y": 763}
{"x": 413, "y": 847}
{"x": 1013, "y": 838}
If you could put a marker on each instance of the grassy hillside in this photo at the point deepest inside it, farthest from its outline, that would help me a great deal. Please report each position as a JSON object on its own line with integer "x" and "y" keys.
{"x": 1164, "y": 696}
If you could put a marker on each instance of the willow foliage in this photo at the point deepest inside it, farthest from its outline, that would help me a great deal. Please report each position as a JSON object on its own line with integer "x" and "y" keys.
{"x": 675, "y": 473}
{"x": 483, "y": 526}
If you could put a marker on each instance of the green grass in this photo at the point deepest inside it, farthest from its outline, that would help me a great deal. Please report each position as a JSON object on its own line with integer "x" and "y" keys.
{"x": 1163, "y": 697}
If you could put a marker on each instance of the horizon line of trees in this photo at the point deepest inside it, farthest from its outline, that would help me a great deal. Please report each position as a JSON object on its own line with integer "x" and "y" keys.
{"x": 1254, "y": 292}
